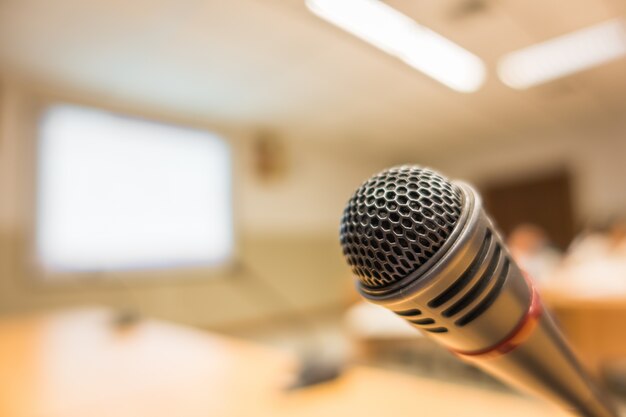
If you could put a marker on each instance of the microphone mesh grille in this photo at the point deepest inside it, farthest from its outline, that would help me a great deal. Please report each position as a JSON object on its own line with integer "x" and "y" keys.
{"x": 396, "y": 221}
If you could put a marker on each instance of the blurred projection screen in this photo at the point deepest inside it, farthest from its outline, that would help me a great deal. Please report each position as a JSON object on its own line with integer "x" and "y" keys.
{"x": 122, "y": 193}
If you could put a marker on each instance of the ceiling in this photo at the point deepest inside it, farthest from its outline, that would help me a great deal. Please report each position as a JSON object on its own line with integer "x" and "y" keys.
{"x": 272, "y": 64}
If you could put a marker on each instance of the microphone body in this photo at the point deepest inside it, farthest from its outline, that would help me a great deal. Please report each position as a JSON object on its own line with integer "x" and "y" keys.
{"x": 464, "y": 291}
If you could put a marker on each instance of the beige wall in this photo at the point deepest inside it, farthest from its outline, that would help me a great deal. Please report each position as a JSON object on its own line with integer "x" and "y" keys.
{"x": 286, "y": 230}
{"x": 595, "y": 156}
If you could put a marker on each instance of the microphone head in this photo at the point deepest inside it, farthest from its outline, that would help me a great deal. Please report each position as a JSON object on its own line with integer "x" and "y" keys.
{"x": 396, "y": 222}
{"x": 423, "y": 247}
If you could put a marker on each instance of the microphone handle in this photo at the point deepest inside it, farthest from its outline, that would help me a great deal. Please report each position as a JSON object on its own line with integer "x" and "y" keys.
{"x": 541, "y": 362}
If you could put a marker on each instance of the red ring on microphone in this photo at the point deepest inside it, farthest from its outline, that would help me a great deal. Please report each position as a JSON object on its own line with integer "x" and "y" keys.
{"x": 519, "y": 335}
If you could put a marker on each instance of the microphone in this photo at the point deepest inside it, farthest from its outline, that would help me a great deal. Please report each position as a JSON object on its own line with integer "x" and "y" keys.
{"x": 423, "y": 247}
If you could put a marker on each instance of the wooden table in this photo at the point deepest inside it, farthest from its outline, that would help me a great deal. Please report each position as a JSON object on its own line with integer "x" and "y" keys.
{"x": 594, "y": 325}
{"x": 76, "y": 364}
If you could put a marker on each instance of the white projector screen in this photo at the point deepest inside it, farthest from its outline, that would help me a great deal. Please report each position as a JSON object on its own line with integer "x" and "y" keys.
{"x": 121, "y": 193}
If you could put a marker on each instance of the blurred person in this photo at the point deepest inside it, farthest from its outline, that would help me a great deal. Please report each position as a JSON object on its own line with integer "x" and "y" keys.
{"x": 603, "y": 240}
{"x": 617, "y": 238}
{"x": 595, "y": 263}
{"x": 591, "y": 244}
{"x": 530, "y": 247}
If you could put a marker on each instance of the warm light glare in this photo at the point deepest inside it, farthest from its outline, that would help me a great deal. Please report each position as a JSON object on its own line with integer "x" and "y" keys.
{"x": 115, "y": 192}
{"x": 564, "y": 55}
{"x": 400, "y": 36}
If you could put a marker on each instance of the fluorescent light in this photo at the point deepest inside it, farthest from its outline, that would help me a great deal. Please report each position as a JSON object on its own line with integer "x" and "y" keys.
{"x": 400, "y": 36}
{"x": 564, "y": 55}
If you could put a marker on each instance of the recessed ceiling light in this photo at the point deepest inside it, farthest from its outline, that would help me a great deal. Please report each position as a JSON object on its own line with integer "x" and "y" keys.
{"x": 400, "y": 36}
{"x": 564, "y": 55}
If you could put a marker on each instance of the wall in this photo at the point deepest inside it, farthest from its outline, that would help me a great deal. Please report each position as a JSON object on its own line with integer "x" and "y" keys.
{"x": 286, "y": 230}
{"x": 595, "y": 157}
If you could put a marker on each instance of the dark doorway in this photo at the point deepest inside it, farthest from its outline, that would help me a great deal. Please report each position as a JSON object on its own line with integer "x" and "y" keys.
{"x": 544, "y": 200}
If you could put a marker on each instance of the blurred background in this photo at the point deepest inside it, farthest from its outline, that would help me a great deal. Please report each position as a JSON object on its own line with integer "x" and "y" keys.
{"x": 172, "y": 175}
